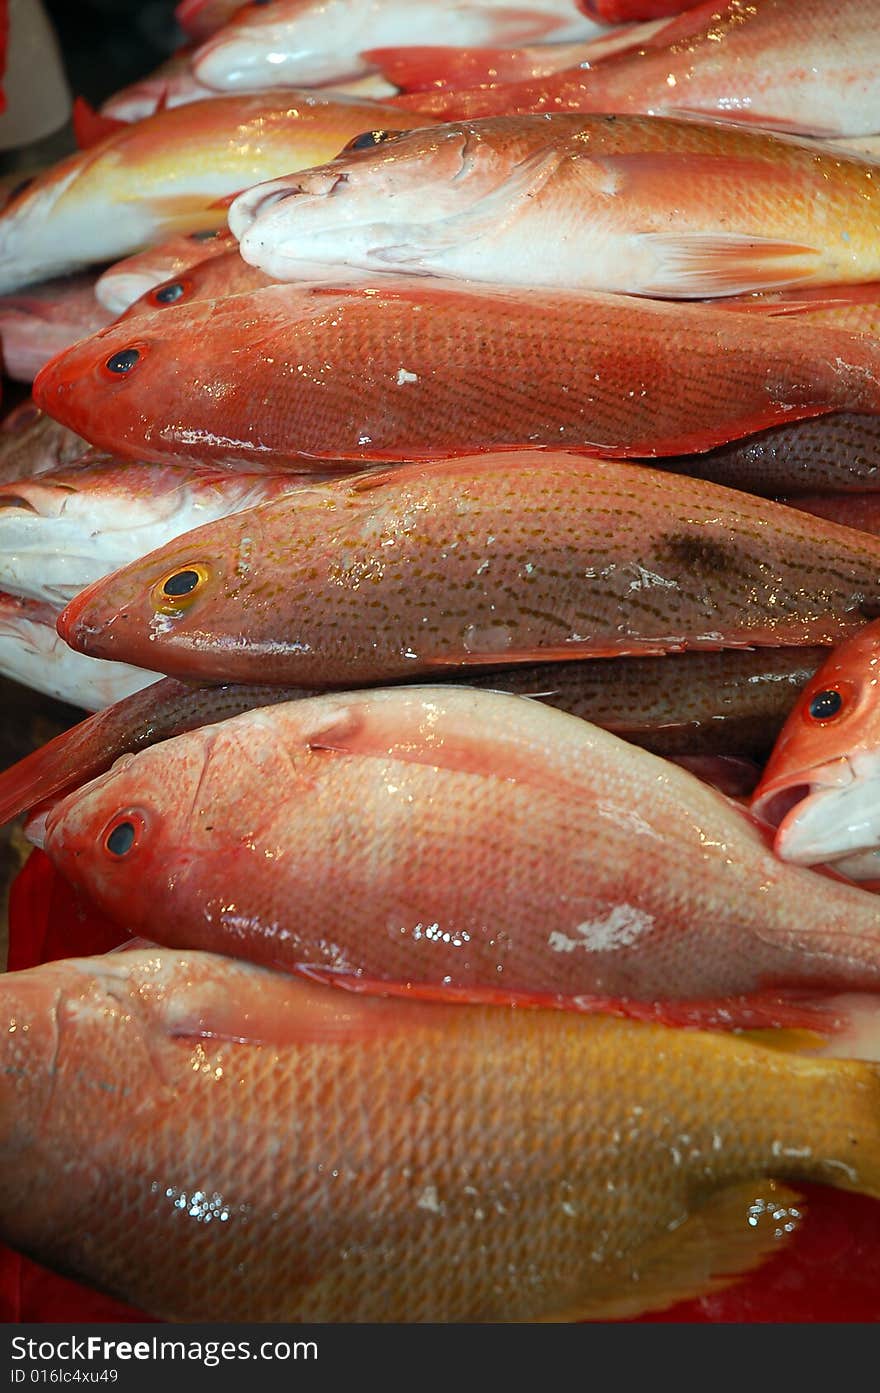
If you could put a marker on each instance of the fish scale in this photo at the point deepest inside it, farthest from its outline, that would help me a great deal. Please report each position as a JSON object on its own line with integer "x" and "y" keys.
{"x": 376, "y": 1161}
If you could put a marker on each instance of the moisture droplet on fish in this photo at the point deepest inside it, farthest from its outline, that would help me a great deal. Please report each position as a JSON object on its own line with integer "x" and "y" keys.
{"x": 487, "y": 638}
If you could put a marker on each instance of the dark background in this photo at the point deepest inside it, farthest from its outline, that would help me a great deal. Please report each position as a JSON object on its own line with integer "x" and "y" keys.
{"x": 109, "y": 43}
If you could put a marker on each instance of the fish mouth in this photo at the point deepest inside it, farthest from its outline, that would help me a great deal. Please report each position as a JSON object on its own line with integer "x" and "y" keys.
{"x": 773, "y": 808}
{"x": 71, "y": 625}
{"x": 254, "y": 203}
{"x": 831, "y": 817}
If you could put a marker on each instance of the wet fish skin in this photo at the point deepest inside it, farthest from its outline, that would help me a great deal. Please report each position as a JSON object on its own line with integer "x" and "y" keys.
{"x": 199, "y": 18}
{"x": 369, "y": 1212}
{"x": 820, "y": 786}
{"x": 166, "y": 174}
{"x": 837, "y": 453}
{"x": 797, "y": 66}
{"x": 127, "y": 280}
{"x": 43, "y": 319}
{"x": 488, "y": 561}
{"x": 403, "y": 371}
{"x": 208, "y": 280}
{"x": 641, "y": 205}
{"x": 455, "y": 842}
{"x": 314, "y": 42}
{"x": 703, "y": 704}
{"x": 69, "y": 526}
{"x": 32, "y": 653}
{"x": 32, "y": 443}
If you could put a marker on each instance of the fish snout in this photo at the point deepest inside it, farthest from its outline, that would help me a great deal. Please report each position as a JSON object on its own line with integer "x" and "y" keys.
{"x": 256, "y": 202}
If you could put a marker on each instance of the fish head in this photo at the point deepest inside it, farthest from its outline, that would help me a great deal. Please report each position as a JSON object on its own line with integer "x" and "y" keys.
{"x": 129, "y": 837}
{"x": 386, "y": 202}
{"x": 821, "y": 786}
{"x": 105, "y": 387}
{"x": 270, "y": 44}
{"x": 169, "y": 606}
{"x": 126, "y": 281}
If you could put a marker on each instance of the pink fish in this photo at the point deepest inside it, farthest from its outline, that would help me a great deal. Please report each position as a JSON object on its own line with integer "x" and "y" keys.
{"x": 451, "y": 842}
{"x": 127, "y": 280}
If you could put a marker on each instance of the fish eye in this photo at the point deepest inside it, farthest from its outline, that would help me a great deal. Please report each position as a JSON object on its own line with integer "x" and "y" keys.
{"x": 121, "y": 834}
{"x": 368, "y": 139}
{"x": 176, "y": 591}
{"x": 824, "y": 706}
{"x": 168, "y": 294}
{"x": 123, "y": 361}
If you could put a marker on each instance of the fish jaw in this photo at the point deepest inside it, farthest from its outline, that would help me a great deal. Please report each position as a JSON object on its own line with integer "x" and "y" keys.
{"x": 353, "y": 210}
{"x": 839, "y": 815}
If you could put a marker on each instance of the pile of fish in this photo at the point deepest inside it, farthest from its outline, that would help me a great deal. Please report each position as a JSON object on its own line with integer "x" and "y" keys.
{"x": 448, "y": 471}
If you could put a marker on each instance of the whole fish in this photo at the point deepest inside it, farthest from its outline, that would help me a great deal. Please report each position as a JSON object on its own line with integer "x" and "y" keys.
{"x": 804, "y": 66}
{"x": 127, "y": 280}
{"x": 405, "y": 371}
{"x": 67, "y": 527}
{"x": 461, "y": 843}
{"x": 166, "y": 174}
{"x": 705, "y": 704}
{"x": 839, "y": 453}
{"x": 488, "y": 561}
{"x": 31, "y": 443}
{"x": 618, "y": 203}
{"x": 314, "y": 42}
{"x": 42, "y": 320}
{"x": 821, "y": 785}
{"x": 32, "y": 653}
{"x": 207, "y": 280}
{"x": 279, "y": 1153}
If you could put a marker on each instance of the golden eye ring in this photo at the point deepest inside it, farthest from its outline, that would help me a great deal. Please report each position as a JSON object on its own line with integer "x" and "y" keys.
{"x": 176, "y": 591}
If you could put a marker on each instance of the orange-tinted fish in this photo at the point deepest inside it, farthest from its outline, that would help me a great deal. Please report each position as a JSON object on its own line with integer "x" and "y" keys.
{"x": 854, "y": 307}
{"x": 127, "y": 280}
{"x": 404, "y": 371}
{"x": 858, "y": 510}
{"x": 821, "y": 786}
{"x": 32, "y": 653}
{"x": 276, "y": 1151}
{"x": 804, "y": 66}
{"x": 487, "y": 561}
{"x": 695, "y": 704}
{"x": 208, "y": 280}
{"x": 647, "y": 206}
{"x": 455, "y": 842}
{"x": 167, "y": 173}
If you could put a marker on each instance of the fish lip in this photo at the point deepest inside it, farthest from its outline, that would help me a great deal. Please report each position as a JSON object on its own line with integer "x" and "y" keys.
{"x": 773, "y": 800}
{"x": 252, "y": 204}
{"x": 70, "y": 626}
